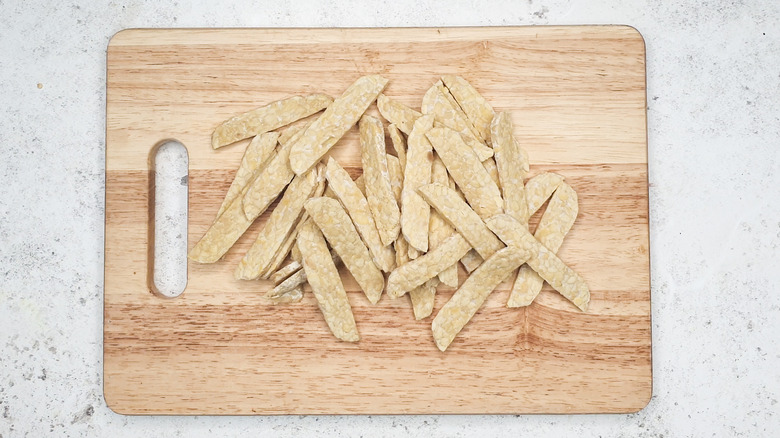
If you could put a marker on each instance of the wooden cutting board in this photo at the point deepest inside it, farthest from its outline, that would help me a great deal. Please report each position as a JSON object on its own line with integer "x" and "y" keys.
{"x": 577, "y": 97}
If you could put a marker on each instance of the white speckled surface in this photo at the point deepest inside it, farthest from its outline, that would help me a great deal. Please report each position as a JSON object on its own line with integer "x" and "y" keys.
{"x": 714, "y": 131}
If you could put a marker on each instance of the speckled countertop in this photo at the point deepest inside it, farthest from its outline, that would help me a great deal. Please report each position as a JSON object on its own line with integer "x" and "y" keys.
{"x": 714, "y": 131}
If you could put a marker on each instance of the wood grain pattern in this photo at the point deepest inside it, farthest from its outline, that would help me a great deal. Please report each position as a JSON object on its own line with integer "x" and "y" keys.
{"x": 577, "y": 98}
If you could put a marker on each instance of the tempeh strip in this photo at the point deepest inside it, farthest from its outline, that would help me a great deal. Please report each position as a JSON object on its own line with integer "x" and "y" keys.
{"x": 413, "y": 253}
{"x": 439, "y": 103}
{"x": 556, "y": 221}
{"x": 230, "y": 225}
{"x": 339, "y": 231}
{"x": 561, "y": 277}
{"x": 415, "y": 213}
{"x": 396, "y": 177}
{"x": 439, "y": 228}
{"x": 338, "y": 117}
{"x": 401, "y": 251}
{"x": 400, "y": 245}
{"x": 350, "y": 196}
{"x": 325, "y": 282}
{"x": 509, "y": 161}
{"x": 539, "y": 189}
{"x": 289, "y": 242}
{"x": 295, "y": 253}
{"x": 285, "y": 271}
{"x": 476, "y": 107}
{"x": 360, "y": 182}
{"x": 471, "y": 261}
{"x": 291, "y": 296}
{"x": 467, "y": 171}
{"x": 397, "y": 113}
{"x": 526, "y": 161}
{"x": 277, "y": 228}
{"x": 233, "y": 222}
{"x": 268, "y": 184}
{"x": 416, "y": 272}
{"x": 472, "y": 294}
{"x": 255, "y": 156}
{"x": 297, "y": 277}
{"x": 379, "y": 189}
{"x": 455, "y": 211}
{"x": 221, "y": 235}
{"x": 267, "y": 118}
{"x": 492, "y": 170}
{"x": 483, "y": 152}
{"x": 423, "y": 297}
{"x": 294, "y": 131}
{"x": 361, "y": 185}
{"x": 399, "y": 144}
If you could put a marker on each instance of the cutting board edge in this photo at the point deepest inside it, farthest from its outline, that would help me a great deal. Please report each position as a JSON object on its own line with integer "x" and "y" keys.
{"x": 107, "y": 394}
{"x": 128, "y": 36}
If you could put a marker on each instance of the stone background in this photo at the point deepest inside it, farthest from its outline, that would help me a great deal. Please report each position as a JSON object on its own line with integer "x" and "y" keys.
{"x": 714, "y": 130}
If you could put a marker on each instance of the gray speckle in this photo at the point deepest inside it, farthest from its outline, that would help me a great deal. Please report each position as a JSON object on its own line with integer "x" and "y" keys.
{"x": 542, "y": 13}
{"x": 85, "y": 415}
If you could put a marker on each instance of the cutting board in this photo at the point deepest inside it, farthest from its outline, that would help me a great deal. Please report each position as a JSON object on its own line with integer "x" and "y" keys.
{"x": 577, "y": 97}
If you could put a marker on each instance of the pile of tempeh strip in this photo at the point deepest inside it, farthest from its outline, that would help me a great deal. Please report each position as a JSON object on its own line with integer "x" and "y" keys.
{"x": 456, "y": 191}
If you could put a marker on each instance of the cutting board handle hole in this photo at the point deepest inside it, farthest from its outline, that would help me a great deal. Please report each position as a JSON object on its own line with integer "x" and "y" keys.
{"x": 168, "y": 204}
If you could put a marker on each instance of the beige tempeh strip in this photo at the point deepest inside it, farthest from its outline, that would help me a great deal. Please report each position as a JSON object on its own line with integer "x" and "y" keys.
{"x": 297, "y": 276}
{"x": 556, "y": 221}
{"x": 471, "y": 261}
{"x": 455, "y": 211}
{"x": 267, "y": 118}
{"x": 397, "y": 113}
{"x": 338, "y": 117}
{"x": 439, "y": 228}
{"x": 438, "y": 102}
{"x": 399, "y": 144}
{"x": 222, "y": 234}
{"x": 539, "y": 189}
{"x": 396, "y": 178}
{"x": 293, "y": 295}
{"x": 542, "y": 260}
{"x": 472, "y": 294}
{"x": 476, "y": 107}
{"x": 335, "y": 224}
{"x": 379, "y": 189}
{"x": 467, "y": 171}
{"x": 260, "y": 149}
{"x": 289, "y": 242}
{"x": 325, "y": 282}
{"x": 416, "y": 272}
{"x": 267, "y": 186}
{"x": 415, "y": 213}
{"x": 279, "y": 225}
{"x": 423, "y": 298}
{"x": 350, "y": 196}
{"x": 510, "y": 165}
